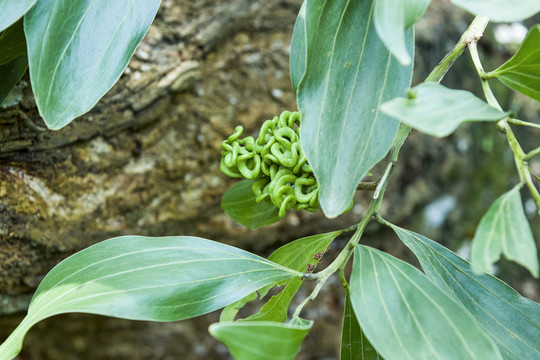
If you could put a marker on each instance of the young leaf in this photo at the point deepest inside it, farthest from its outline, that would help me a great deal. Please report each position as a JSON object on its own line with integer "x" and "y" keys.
{"x": 501, "y": 10}
{"x": 141, "y": 278}
{"x": 512, "y": 320}
{"x": 438, "y": 111}
{"x": 522, "y": 71}
{"x": 88, "y": 46}
{"x": 296, "y": 255}
{"x": 239, "y": 203}
{"x": 504, "y": 229}
{"x": 13, "y": 10}
{"x": 299, "y": 253}
{"x": 354, "y": 344}
{"x": 262, "y": 340}
{"x": 10, "y": 74}
{"x": 12, "y": 43}
{"x": 406, "y": 316}
{"x": 348, "y": 73}
{"x": 392, "y": 17}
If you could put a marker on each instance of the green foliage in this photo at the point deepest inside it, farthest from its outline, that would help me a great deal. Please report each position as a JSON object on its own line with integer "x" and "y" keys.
{"x": 10, "y": 74}
{"x": 275, "y": 162}
{"x": 348, "y": 73}
{"x": 159, "y": 279}
{"x": 301, "y": 255}
{"x": 504, "y": 229}
{"x": 13, "y": 60}
{"x": 512, "y": 320}
{"x": 392, "y": 18}
{"x": 354, "y": 344}
{"x": 11, "y": 11}
{"x": 438, "y": 111}
{"x": 297, "y": 62}
{"x": 239, "y": 202}
{"x": 522, "y": 71}
{"x": 12, "y": 43}
{"x": 501, "y": 10}
{"x": 262, "y": 340}
{"x": 89, "y": 44}
{"x": 395, "y": 303}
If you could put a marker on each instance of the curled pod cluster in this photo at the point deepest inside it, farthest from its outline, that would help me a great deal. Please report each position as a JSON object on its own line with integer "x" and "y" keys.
{"x": 275, "y": 162}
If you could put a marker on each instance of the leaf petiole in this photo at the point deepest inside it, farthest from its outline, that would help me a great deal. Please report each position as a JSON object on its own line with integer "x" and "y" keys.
{"x": 524, "y": 123}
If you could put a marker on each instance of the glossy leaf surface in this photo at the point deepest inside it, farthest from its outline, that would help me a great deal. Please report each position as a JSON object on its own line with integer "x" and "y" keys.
{"x": 262, "y": 340}
{"x": 522, "y": 71}
{"x": 392, "y": 17}
{"x": 501, "y": 10}
{"x": 10, "y": 74}
{"x": 159, "y": 279}
{"x": 12, "y": 43}
{"x": 396, "y": 304}
{"x": 354, "y": 344}
{"x": 512, "y": 320}
{"x": 504, "y": 229}
{"x": 239, "y": 203}
{"x": 13, "y": 10}
{"x": 296, "y": 255}
{"x": 77, "y": 50}
{"x": 438, "y": 111}
{"x": 348, "y": 73}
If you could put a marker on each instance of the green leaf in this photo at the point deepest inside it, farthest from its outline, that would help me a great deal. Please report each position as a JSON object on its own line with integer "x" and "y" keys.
{"x": 501, "y": 10}
{"x": 88, "y": 46}
{"x": 12, "y": 43}
{"x": 392, "y": 17}
{"x": 141, "y": 278}
{"x": 504, "y": 229}
{"x": 299, "y": 253}
{"x": 438, "y": 111}
{"x": 296, "y": 255}
{"x": 522, "y": 71}
{"x": 512, "y": 320}
{"x": 10, "y": 74}
{"x": 239, "y": 203}
{"x": 262, "y": 340}
{"x": 354, "y": 344}
{"x": 230, "y": 311}
{"x": 406, "y": 316}
{"x": 348, "y": 73}
{"x": 13, "y": 10}
{"x": 535, "y": 176}
{"x": 297, "y": 60}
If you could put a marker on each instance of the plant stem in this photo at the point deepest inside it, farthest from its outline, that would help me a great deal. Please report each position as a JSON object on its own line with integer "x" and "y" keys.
{"x": 368, "y": 186}
{"x": 473, "y": 50}
{"x": 524, "y": 123}
{"x": 520, "y": 158}
{"x": 343, "y": 280}
{"x": 474, "y": 31}
{"x": 532, "y": 153}
{"x": 12, "y": 345}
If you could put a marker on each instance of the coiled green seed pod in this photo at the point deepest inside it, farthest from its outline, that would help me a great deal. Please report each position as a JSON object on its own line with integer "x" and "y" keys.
{"x": 276, "y": 163}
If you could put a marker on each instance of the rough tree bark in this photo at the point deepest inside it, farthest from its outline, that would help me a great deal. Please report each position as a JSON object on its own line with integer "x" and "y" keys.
{"x": 145, "y": 161}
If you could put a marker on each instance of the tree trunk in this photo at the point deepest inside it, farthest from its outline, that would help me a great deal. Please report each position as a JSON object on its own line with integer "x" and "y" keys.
{"x": 145, "y": 161}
